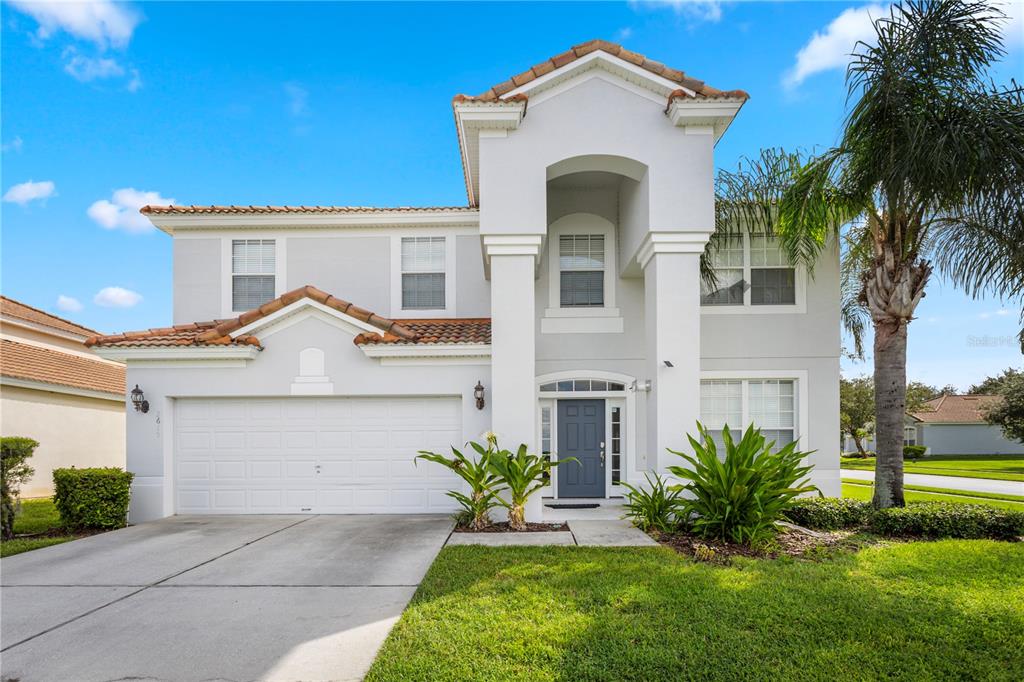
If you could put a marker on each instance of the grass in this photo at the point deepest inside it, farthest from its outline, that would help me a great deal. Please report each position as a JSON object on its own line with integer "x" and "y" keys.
{"x": 863, "y": 490}
{"x": 925, "y": 610}
{"x": 1000, "y": 467}
{"x": 36, "y": 516}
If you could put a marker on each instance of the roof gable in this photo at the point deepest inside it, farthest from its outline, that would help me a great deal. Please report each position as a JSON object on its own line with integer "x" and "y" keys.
{"x": 36, "y": 317}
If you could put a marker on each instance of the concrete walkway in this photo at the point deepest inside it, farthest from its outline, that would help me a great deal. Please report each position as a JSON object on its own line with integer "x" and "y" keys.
{"x": 582, "y": 532}
{"x": 984, "y": 485}
{"x": 215, "y": 598}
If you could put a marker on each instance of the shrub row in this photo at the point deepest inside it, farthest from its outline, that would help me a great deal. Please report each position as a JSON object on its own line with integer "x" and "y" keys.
{"x": 92, "y": 498}
{"x": 931, "y": 520}
{"x": 914, "y": 451}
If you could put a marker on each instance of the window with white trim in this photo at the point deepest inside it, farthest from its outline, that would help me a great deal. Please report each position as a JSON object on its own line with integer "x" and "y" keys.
{"x": 616, "y": 444}
{"x": 423, "y": 273}
{"x": 770, "y": 404}
{"x": 910, "y": 435}
{"x": 581, "y": 263}
{"x": 752, "y": 270}
{"x": 253, "y": 273}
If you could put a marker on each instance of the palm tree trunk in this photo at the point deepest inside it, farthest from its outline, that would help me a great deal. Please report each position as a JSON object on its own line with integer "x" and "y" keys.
{"x": 890, "y": 405}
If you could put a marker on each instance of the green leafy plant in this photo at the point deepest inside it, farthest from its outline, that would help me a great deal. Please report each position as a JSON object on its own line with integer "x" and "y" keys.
{"x": 653, "y": 509}
{"x": 828, "y": 513}
{"x": 914, "y": 451}
{"x": 522, "y": 474}
{"x": 14, "y": 470}
{"x": 739, "y": 498}
{"x": 92, "y": 498}
{"x": 934, "y": 520}
{"x": 482, "y": 497}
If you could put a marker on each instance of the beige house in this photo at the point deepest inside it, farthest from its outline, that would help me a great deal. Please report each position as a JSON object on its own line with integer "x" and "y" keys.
{"x": 57, "y": 391}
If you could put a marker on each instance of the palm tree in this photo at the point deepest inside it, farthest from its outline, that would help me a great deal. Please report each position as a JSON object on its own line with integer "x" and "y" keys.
{"x": 928, "y": 174}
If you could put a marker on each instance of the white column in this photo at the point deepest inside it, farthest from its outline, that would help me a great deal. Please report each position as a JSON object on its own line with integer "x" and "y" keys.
{"x": 513, "y": 264}
{"x": 671, "y": 263}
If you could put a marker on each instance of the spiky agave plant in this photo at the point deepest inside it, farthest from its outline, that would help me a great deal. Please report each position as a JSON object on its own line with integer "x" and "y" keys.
{"x": 522, "y": 474}
{"x": 482, "y": 497}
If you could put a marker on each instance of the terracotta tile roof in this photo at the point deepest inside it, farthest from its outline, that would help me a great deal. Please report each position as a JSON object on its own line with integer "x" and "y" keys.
{"x": 11, "y": 308}
{"x": 956, "y": 409}
{"x": 218, "y": 332}
{"x": 218, "y": 210}
{"x": 703, "y": 90}
{"x": 441, "y": 331}
{"x": 35, "y": 363}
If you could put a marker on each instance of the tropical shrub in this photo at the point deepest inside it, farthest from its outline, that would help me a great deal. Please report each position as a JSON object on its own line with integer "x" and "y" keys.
{"x": 914, "y": 451}
{"x": 14, "y": 470}
{"x": 656, "y": 508}
{"x": 522, "y": 474}
{"x": 828, "y": 513}
{"x": 92, "y": 498}
{"x": 934, "y": 520}
{"x": 739, "y": 498}
{"x": 482, "y": 498}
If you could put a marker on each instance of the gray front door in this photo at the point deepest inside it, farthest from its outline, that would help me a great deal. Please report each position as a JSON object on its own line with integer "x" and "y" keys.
{"x": 581, "y": 435}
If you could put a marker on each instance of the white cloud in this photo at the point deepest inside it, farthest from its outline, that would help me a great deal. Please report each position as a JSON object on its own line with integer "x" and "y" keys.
{"x": 24, "y": 192}
{"x": 14, "y": 145}
{"x": 694, "y": 10}
{"x": 831, "y": 48}
{"x": 298, "y": 99}
{"x": 87, "y": 69}
{"x": 136, "y": 82}
{"x": 624, "y": 33}
{"x": 122, "y": 209}
{"x": 68, "y": 304}
{"x": 102, "y": 22}
{"x": 116, "y": 297}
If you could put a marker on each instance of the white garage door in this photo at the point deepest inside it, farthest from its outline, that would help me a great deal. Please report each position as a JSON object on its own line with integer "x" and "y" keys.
{"x": 313, "y": 455}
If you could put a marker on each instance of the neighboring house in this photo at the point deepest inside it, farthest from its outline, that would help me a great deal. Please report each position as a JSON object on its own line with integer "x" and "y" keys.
{"x": 57, "y": 391}
{"x": 955, "y": 425}
{"x": 561, "y": 308}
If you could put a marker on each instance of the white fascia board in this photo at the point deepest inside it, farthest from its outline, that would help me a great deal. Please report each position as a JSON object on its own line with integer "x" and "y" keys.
{"x": 717, "y": 113}
{"x": 671, "y": 242}
{"x": 276, "y": 321}
{"x": 183, "y": 353}
{"x": 171, "y": 223}
{"x": 59, "y": 388}
{"x": 439, "y": 353}
{"x": 470, "y": 119}
{"x": 600, "y": 59}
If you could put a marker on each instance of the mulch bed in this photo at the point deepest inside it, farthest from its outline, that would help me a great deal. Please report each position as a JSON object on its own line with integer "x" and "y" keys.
{"x": 787, "y": 543}
{"x": 530, "y": 528}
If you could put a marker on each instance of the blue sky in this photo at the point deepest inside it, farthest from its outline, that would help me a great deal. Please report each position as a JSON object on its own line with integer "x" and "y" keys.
{"x": 109, "y": 106}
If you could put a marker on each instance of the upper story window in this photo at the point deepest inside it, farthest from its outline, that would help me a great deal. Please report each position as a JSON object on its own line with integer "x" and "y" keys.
{"x": 581, "y": 267}
{"x": 423, "y": 273}
{"x": 253, "y": 272}
{"x": 752, "y": 270}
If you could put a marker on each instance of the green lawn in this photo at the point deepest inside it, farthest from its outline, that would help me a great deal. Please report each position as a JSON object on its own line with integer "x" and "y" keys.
{"x": 1002, "y": 467}
{"x": 914, "y": 611}
{"x": 37, "y": 516}
{"x": 863, "y": 490}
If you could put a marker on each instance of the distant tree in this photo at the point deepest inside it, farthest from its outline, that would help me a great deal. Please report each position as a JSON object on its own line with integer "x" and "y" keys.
{"x": 14, "y": 470}
{"x": 918, "y": 393}
{"x": 994, "y": 385}
{"x": 1009, "y": 412}
{"x": 857, "y": 409}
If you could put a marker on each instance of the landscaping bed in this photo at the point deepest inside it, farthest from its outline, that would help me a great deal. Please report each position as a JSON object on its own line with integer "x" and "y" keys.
{"x": 503, "y": 527}
{"x": 788, "y": 542}
{"x": 950, "y": 609}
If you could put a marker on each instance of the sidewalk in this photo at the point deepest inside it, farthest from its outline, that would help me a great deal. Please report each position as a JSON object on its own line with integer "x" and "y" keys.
{"x": 978, "y": 485}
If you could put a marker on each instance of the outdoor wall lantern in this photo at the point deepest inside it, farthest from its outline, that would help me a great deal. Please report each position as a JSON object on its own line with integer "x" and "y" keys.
{"x": 478, "y": 393}
{"x": 139, "y": 400}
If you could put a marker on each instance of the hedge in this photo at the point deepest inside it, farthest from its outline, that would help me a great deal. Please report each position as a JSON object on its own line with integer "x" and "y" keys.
{"x": 934, "y": 520}
{"x": 914, "y": 451}
{"x": 92, "y": 498}
{"x": 828, "y": 513}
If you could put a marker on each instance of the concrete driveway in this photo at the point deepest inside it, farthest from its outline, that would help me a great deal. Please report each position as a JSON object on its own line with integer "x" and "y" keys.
{"x": 215, "y": 598}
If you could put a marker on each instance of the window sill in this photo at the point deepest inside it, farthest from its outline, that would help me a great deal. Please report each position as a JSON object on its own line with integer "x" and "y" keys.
{"x": 581, "y": 312}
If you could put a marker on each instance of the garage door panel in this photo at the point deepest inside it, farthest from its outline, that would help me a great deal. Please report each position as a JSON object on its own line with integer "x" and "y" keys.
{"x": 319, "y": 455}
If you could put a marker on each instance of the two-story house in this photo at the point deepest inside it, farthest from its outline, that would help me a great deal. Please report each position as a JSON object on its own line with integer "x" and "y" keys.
{"x": 561, "y": 308}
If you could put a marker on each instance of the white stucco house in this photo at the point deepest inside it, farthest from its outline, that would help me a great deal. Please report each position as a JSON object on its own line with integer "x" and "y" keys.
{"x": 57, "y": 391}
{"x": 334, "y": 342}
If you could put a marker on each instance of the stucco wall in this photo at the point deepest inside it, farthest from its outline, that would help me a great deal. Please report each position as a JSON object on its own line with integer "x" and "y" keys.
{"x": 197, "y": 280}
{"x": 71, "y": 430}
{"x": 357, "y": 269}
{"x": 967, "y": 439}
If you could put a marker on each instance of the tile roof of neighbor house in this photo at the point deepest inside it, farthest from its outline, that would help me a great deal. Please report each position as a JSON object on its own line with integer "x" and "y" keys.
{"x": 218, "y": 332}
{"x": 36, "y": 363}
{"x": 702, "y": 90}
{"x": 956, "y": 409}
{"x": 222, "y": 210}
{"x": 16, "y": 309}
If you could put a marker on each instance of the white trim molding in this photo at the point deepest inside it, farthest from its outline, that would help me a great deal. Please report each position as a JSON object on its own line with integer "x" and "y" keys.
{"x": 800, "y": 376}
{"x": 711, "y": 116}
{"x": 429, "y": 354}
{"x": 474, "y": 119}
{"x": 235, "y": 355}
{"x": 300, "y": 310}
{"x": 450, "y": 277}
{"x": 176, "y": 224}
{"x": 672, "y": 241}
{"x": 14, "y": 382}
